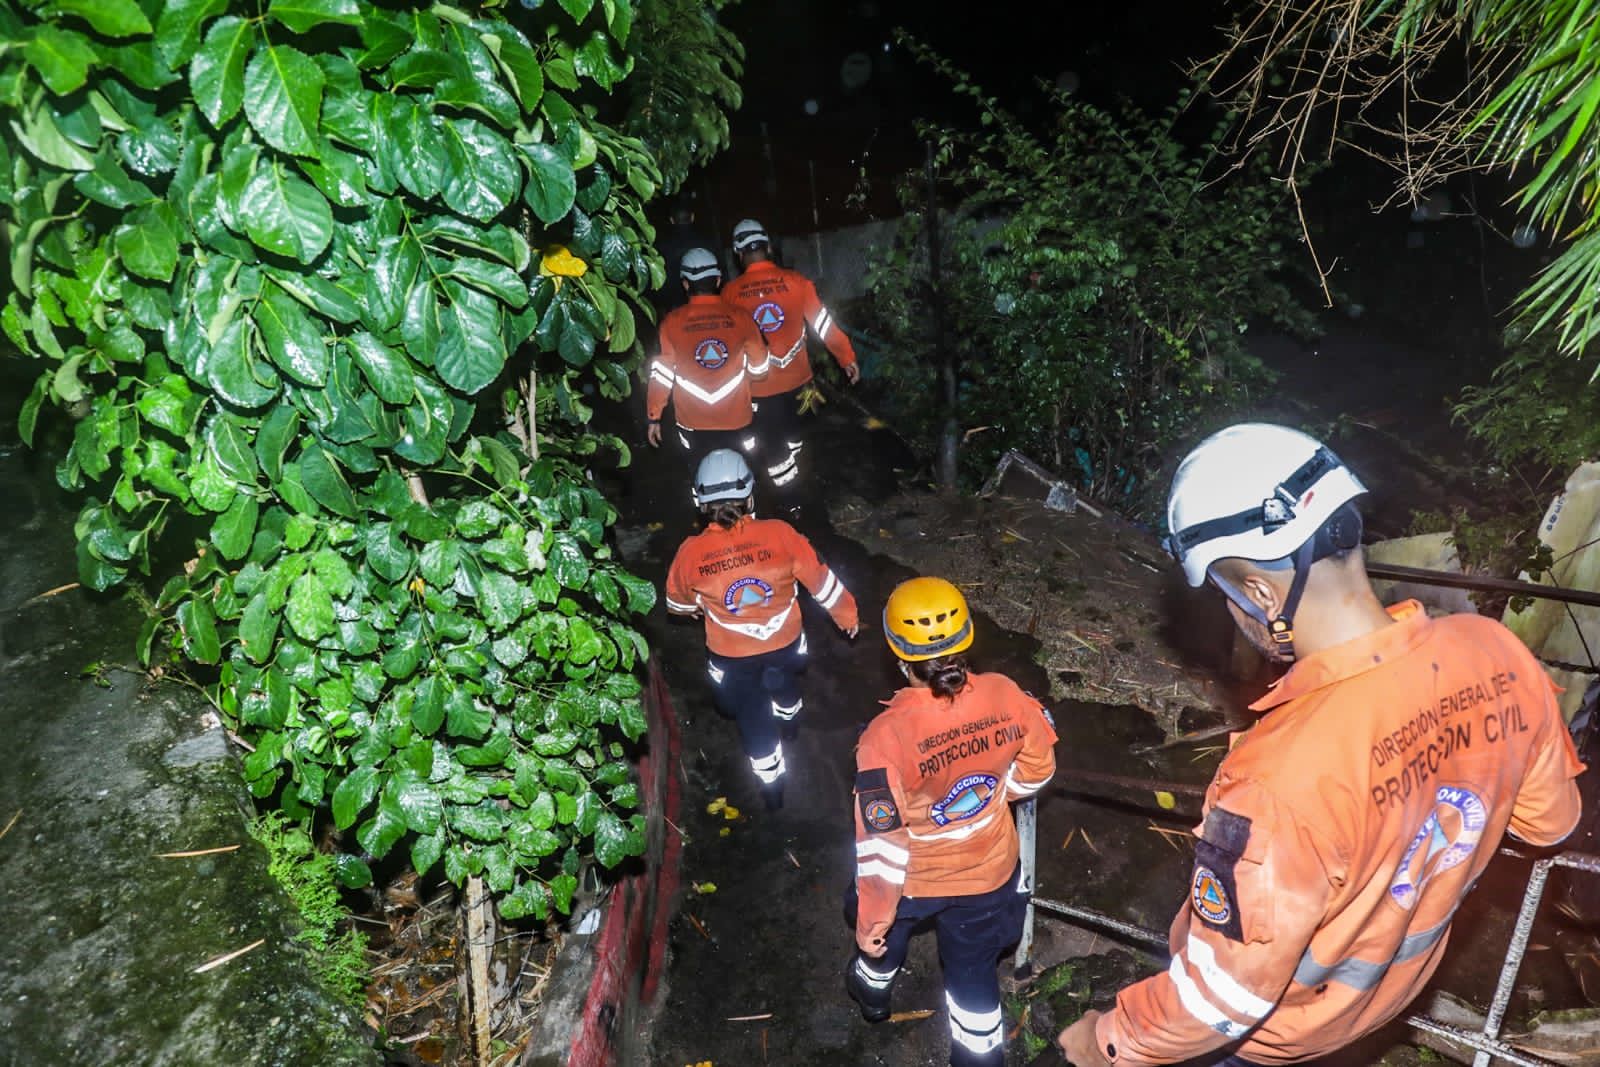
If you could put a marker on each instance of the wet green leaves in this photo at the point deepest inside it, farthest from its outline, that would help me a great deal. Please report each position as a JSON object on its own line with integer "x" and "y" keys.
{"x": 324, "y": 235}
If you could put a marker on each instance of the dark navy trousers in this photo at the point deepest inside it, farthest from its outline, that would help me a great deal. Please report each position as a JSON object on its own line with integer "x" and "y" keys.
{"x": 762, "y": 695}
{"x": 973, "y": 933}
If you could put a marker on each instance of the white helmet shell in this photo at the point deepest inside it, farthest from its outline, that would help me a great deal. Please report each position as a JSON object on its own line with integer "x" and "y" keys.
{"x": 722, "y": 475}
{"x": 749, "y": 232}
{"x": 1254, "y": 491}
{"x": 698, "y": 263}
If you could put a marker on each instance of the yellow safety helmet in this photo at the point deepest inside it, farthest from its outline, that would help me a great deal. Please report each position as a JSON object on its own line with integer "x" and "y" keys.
{"x": 925, "y": 618}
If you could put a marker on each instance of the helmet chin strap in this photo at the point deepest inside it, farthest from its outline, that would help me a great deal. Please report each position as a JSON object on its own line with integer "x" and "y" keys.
{"x": 1281, "y": 629}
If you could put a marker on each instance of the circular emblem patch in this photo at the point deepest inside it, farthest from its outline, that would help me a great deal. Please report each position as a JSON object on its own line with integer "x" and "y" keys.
{"x": 746, "y": 593}
{"x": 1210, "y": 899}
{"x": 879, "y": 814}
{"x": 1446, "y": 838}
{"x": 768, "y": 316}
{"x": 711, "y": 353}
{"x": 970, "y": 795}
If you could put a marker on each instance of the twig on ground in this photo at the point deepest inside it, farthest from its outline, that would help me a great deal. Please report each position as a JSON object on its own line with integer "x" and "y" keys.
{"x": 698, "y": 925}
{"x": 750, "y": 1018}
{"x": 792, "y": 860}
{"x": 241, "y": 742}
{"x": 196, "y": 852}
{"x": 1167, "y": 835}
{"x": 48, "y": 593}
{"x": 235, "y": 954}
{"x": 11, "y": 823}
{"x": 911, "y": 1016}
{"x": 1088, "y": 842}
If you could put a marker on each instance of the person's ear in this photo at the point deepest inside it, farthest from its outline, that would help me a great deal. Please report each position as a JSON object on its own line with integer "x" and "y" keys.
{"x": 1262, "y": 593}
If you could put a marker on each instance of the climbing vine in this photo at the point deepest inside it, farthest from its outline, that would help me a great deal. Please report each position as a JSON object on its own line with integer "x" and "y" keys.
{"x": 329, "y": 283}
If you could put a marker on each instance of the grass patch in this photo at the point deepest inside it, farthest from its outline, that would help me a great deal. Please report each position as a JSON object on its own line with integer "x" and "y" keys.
{"x": 336, "y": 950}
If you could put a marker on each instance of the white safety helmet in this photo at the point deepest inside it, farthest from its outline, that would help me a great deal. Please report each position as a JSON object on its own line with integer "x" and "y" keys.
{"x": 698, "y": 263}
{"x": 749, "y": 232}
{"x": 722, "y": 475}
{"x": 1261, "y": 493}
{"x": 1253, "y": 491}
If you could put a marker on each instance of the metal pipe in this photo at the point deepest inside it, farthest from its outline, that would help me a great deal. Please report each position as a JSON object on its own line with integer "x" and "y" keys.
{"x": 1514, "y": 953}
{"x": 1392, "y": 572}
{"x": 1484, "y": 1045}
{"x": 1074, "y": 774}
{"x": 1027, "y": 844}
{"x": 1097, "y": 918}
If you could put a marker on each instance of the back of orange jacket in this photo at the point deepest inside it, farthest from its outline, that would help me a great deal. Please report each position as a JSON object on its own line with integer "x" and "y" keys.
{"x": 934, "y": 779}
{"x": 781, "y": 302}
{"x": 744, "y": 579}
{"x": 710, "y": 354}
{"x": 1341, "y": 834}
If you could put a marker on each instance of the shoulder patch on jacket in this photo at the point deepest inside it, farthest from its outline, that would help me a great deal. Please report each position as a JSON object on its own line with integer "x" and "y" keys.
{"x": 1212, "y": 890}
{"x": 876, "y": 778}
{"x": 878, "y": 811}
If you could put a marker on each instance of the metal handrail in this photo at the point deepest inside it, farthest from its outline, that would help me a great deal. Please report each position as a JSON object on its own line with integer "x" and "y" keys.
{"x": 1487, "y": 1042}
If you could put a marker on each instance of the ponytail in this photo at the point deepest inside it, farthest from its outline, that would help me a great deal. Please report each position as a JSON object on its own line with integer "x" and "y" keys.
{"x": 945, "y": 675}
{"x": 727, "y": 513}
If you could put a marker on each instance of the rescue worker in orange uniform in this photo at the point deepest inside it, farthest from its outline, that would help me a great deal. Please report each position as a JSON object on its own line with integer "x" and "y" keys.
{"x": 936, "y": 773}
{"x": 711, "y": 353}
{"x": 743, "y": 574}
{"x": 1343, "y": 830}
{"x": 782, "y": 303}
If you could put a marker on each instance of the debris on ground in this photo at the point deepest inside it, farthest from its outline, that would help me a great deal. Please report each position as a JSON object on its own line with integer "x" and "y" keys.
{"x": 1057, "y": 997}
{"x": 1090, "y": 590}
{"x": 415, "y": 998}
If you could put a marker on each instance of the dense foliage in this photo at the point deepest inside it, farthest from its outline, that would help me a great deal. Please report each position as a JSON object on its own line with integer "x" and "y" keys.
{"x": 1436, "y": 87}
{"x": 685, "y": 84}
{"x": 1096, "y": 284}
{"x": 1538, "y": 408}
{"x": 287, "y": 258}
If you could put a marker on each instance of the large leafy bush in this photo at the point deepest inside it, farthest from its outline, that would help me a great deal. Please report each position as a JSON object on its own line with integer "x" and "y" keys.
{"x": 285, "y": 258}
{"x": 1097, "y": 281}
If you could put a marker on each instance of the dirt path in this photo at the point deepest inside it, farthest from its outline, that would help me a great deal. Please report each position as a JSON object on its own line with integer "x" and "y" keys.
{"x": 771, "y": 941}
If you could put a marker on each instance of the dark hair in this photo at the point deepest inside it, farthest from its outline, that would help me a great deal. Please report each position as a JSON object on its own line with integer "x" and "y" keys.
{"x": 945, "y": 675}
{"x": 701, "y": 286}
{"x": 726, "y": 513}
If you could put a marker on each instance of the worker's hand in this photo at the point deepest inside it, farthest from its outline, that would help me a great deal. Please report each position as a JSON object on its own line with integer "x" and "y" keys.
{"x": 852, "y": 373}
{"x": 851, "y": 633}
{"x": 653, "y": 435}
{"x": 1080, "y": 1046}
{"x": 870, "y": 948}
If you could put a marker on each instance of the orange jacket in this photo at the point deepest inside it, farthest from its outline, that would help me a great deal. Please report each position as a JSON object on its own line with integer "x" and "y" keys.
{"x": 744, "y": 579}
{"x": 781, "y": 302}
{"x": 710, "y": 352}
{"x": 933, "y": 782}
{"x": 1340, "y": 835}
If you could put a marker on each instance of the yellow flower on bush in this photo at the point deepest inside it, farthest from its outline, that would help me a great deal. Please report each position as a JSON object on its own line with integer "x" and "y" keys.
{"x": 562, "y": 263}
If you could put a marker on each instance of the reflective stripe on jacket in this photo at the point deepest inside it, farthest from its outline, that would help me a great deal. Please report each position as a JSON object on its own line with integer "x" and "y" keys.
{"x": 781, "y": 303}
{"x": 934, "y": 781}
{"x": 746, "y": 579}
{"x": 1341, "y": 834}
{"x": 710, "y": 355}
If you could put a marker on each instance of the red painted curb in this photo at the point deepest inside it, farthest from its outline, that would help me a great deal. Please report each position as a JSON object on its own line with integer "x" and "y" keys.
{"x": 630, "y": 950}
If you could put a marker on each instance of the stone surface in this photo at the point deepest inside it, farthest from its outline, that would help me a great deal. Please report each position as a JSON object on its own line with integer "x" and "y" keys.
{"x": 100, "y": 938}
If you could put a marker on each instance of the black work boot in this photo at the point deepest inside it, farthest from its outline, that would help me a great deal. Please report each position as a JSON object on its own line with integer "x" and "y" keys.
{"x": 772, "y": 796}
{"x": 872, "y": 1000}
